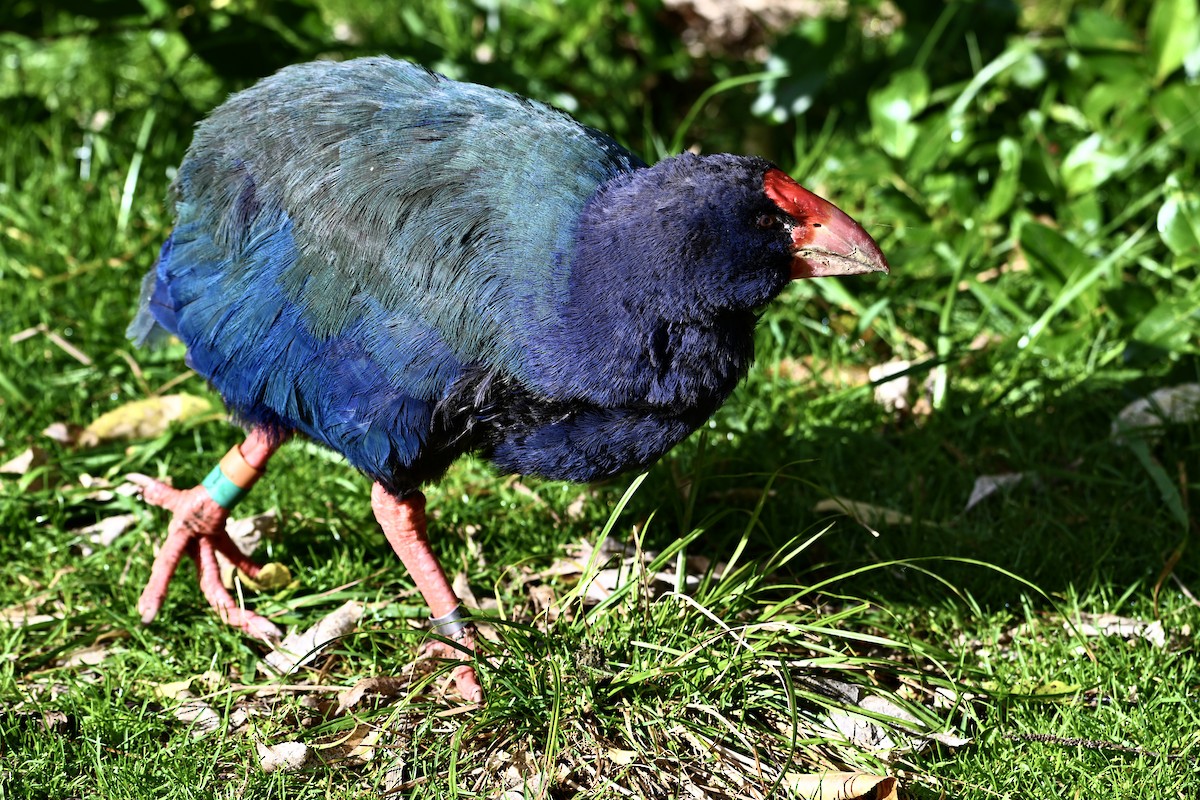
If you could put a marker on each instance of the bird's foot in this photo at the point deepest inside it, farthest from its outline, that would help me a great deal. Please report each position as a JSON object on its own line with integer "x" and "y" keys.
{"x": 198, "y": 528}
{"x": 457, "y": 627}
{"x": 465, "y": 679}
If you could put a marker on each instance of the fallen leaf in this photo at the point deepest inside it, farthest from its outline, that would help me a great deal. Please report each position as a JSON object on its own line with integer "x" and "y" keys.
{"x": 174, "y": 690}
{"x": 876, "y": 723}
{"x": 65, "y": 433}
{"x": 1170, "y": 405}
{"x": 30, "y": 459}
{"x": 298, "y": 649}
{"x": 801, "y": 370}
{"x": 949, "y": 739}
{"x": 1127, "y": 628}
{"x": 381, "y": 685}
{"x": 891, "y": 387}
{"x": 200, "y": 715}
{"x": 248, "y": 532}
{"x": 575, "y": 508}
{"x": 89, "y": 656}
{"x": 865, "y": 514}
{"x": 987, "y": 485}
{"x": 106, "y": 531}
{"x": 282, "y": 757}
{"x": 25, "y": 613}
{"x": 189, "y": 709}
{"x": 143, "y": 419}
{"x": 621, "y": 758}
{"x": 841, "y": 786}
{"x": 363, "y": 742}
{"x": 272, "y": 577}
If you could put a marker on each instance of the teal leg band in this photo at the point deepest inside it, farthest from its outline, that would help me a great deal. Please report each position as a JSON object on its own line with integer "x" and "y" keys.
{"x": 223, "y": 491}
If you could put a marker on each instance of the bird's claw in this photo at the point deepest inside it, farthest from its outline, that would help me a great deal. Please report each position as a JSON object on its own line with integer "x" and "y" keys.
{"x": 465, "y": 679}
{"x": 197, "y": 528}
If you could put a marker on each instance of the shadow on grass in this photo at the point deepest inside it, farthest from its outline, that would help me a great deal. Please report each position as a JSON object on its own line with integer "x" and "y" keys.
{"x": 1086, "y": 517}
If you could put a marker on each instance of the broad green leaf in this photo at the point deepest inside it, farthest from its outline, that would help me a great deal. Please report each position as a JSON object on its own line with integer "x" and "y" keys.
{"x": 1173, "y": 325}
{"x": 893, "y": 109}
{"x": 1090, "y": 163}
{"x": 1008, "y": 179}
{"x": 1130, "y": 302}
{"x": 1093, "y": 29}
{"x": 1173, "y": 34}
{"x": 1030, "y": 70}
{"x": 1176, "y": 107}
{"x": 801, "y": 63}
{"x": 937, "y": 138}
{"x": 1058, "y": 257}
{"x": 1179, "y": 221}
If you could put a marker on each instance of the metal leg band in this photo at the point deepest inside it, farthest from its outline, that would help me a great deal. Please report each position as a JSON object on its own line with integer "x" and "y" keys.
{"x": 452, "y": 624}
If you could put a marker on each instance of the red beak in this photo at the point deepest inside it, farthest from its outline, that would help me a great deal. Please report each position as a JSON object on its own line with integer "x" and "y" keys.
{"x": 825, "y": 240}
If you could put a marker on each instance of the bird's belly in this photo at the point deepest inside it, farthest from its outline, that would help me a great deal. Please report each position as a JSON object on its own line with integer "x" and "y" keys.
{"x": 590, "y": 443}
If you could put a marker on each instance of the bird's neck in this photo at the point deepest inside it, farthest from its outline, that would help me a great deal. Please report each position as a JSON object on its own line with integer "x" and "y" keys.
{"x": 627, "y": 336}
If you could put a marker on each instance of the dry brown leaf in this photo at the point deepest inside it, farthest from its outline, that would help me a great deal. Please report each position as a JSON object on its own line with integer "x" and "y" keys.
{"x": 298, "y": 649}
{"x": 1127, "y": 628}
{"x": 25, "y": 613}
{"x": 106, "y": 531}
{"x": 189, "y": 709}
{"x": 381, "y": 685}
{"x": 544, "y": 601}
{"x": 523, "y": 777}
{"x": 949, "y": 739}
{"x": 1169, "y": 405}
{"x": 89, "y": 656}
{"x": 892, "y": 389}
{"x": 575, "y": 508}
{"x": 621, "y": 758}
{"x": 841, "y": 786}
{"x": 363, "y": 742}
{"x": 865, "y": 514}
{"x": 144, "y": 419}
{"x": 801, "y": 370}
{"x": 30, "y": 459}
{"x": 248, "y": 532}
{"x": 987, "y": 485}
{"x": 283, "y": 757}
{"x": 65, "y": 433}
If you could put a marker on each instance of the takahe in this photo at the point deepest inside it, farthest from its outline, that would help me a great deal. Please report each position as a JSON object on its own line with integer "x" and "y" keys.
{"x": 405, "y": 268}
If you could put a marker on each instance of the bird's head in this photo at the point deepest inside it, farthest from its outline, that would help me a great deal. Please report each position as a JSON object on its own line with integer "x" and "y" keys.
{"x": 704, "y": 234}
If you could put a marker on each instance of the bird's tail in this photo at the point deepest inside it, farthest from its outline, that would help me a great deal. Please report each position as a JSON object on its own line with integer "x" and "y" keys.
{"x": 155, "y": 318}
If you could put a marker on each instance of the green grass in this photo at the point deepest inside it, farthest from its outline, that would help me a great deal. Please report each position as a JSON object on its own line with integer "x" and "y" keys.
{"x": 1032, "y": 182}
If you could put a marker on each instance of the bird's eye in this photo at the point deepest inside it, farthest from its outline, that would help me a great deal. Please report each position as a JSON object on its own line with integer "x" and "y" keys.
{"x": 767, "y": 221}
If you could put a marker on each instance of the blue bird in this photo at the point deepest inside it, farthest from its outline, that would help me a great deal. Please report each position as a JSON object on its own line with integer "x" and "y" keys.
{"x": 405, "y": 268}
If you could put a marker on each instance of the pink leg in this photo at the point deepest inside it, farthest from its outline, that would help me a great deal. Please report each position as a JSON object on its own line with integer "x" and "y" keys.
{"x": 198, "y": 528}
{"x": 403, "y": 523}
